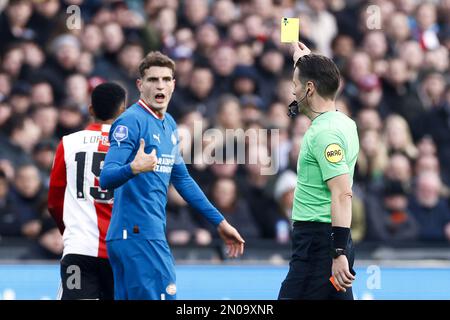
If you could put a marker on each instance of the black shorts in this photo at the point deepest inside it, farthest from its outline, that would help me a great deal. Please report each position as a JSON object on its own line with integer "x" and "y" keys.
{"x": 311, "y": 262}
{"x": 86, "y": 277}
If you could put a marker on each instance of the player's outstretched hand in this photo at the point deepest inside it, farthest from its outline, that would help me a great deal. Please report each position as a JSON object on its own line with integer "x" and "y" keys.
{"x": 144, "y": 162}
{"x": 300, "y": 50}
{"x": 232, "y": 239}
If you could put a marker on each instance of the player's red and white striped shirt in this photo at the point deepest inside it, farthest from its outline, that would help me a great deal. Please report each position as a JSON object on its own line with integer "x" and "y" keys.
{"x": 82, "y": 210}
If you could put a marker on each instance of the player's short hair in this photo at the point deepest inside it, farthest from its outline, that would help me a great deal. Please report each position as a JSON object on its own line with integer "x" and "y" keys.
{"x": 322, "y": 71}
{"x": 156, "y": 59}
{"x": 107, "y": 99}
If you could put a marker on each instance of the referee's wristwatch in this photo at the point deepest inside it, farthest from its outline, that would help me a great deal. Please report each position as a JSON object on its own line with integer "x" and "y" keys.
{"x": 336, "y": 252}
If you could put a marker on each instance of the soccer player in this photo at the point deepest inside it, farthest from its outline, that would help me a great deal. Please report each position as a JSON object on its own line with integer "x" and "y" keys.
{"x": 142, "y": 160}
{"x": 322, "y": 258}
{"x": 81, "y": 209}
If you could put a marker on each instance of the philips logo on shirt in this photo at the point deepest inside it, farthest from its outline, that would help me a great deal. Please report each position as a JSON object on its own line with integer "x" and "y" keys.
{"x": 165, "y": 163}
{"x": 120, "y": 133}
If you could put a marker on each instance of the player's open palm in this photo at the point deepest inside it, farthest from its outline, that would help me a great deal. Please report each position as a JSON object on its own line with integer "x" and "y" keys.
{"x": 232, "y": 239}
{"x": 144, "y": 162}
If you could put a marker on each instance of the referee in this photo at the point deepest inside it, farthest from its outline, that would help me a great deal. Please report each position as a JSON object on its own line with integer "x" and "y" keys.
{"x": 322, "y": 258}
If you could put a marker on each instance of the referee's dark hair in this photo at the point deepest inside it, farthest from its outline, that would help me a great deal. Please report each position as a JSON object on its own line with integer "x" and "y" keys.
{"x": 107, "y": 99}
{"x": 322, "y": 71}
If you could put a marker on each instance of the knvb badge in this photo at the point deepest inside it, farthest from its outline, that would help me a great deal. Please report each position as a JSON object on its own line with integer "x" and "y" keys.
{"x": 120, "y": 134}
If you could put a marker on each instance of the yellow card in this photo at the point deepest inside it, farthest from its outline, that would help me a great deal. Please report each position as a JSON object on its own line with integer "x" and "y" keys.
{"x": 290, "y": 28}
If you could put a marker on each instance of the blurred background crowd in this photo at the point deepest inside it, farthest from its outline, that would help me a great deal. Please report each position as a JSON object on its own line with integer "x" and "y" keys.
{"x": 233, "y": 72}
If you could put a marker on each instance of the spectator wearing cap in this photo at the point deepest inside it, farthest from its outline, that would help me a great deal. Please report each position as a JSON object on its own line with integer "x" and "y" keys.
{"x": 245, "y": 81}
{"x": 183, "y": 57}
{"x": 43, "y": 154}
{"x": 252, "y": 106}
{"x": 388, "y": 218}
{"x": 429, "y": 209}
{"x": 20, "y": 99}
{"x": 370, "y": 95}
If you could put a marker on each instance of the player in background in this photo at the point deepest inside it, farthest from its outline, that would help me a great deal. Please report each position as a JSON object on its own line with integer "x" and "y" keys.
{"x": 143, "y": 159}
{"x": 80, "y": 207}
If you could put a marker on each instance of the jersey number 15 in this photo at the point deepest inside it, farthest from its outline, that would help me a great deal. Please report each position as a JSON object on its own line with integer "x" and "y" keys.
{"x": 96, "y": 192}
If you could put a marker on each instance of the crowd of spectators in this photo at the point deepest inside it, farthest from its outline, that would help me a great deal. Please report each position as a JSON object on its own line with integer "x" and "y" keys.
{"x": 233, "y": 73}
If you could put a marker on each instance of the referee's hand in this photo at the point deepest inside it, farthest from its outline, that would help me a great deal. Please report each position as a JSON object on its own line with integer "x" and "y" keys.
{"x": 341, "y": 273}
{"x": 144, "y": 162}
{"x": 232, "y": 239}
{"x": 299, "y": 50}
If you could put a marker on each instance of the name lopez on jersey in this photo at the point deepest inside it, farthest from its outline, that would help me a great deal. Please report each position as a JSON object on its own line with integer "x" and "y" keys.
{"x": 96, "y": 140}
